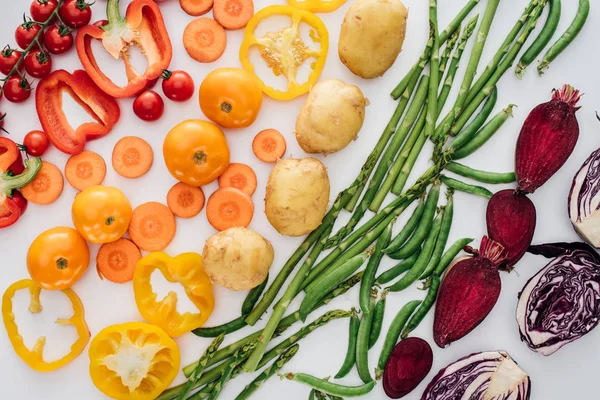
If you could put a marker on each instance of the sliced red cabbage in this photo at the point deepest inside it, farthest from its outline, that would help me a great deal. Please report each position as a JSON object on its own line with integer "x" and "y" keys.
{"x": 561, "y": 303}
{"x": 584, "y": 200}
{"x": 491, "y": 375}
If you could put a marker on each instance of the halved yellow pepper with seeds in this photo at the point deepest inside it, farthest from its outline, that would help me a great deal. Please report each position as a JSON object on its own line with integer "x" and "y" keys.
{"x": 318, "y": 6}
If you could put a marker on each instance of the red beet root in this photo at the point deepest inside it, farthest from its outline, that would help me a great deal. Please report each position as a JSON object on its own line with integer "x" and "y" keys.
{"x": 468, "y": 293}
{"x": 511, "y": 219}
{"x": 408, "y": 365}
{"x": 547, "y": 139}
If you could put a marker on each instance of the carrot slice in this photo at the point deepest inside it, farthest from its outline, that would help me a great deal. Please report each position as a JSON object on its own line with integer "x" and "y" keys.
{"x": 85, "y": 169}
{"x": 132, "y": 157}
{"x": 196, "y": 8}
{"x": 185, "y": 201}
{"x": 46, "y": 187}
{"x": 152, "y": 226}
{"x": 204, "y": 40}
{"x": 233, "y": 14}
{"x": 239, "y": 176}
{"x": 116, "y": 261}
{"x": 269, "y": 145}
{"x": 228, "y": 208}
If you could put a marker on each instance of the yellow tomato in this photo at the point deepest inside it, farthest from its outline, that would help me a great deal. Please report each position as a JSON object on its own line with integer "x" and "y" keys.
{"x": 196, "y": 152}
{"x": 58, "y": 258}
{"x": 231, "y": 97}
{"x": 133, "y": 361}
{"x": 101, "y": 214}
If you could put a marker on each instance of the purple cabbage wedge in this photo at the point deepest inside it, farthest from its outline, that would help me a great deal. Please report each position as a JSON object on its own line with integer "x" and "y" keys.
{"x": 584, "y": 200}
{"x": 491, "y": 375}
{"x": 561, "y": 303}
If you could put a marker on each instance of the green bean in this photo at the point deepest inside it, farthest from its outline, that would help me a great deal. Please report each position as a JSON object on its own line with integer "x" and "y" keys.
{"x": 442, "y": 238}
{"x": 229, "y": 327}
{"x": 469, "y": 131}
{"x": 484, "y": 134}
{"x": 542, "y": 40}
{"x": 424, "y": 308}
{"x": 411, "y": 224}
{"x": 421, "y": 263}
{"x": 479, "y": 175}
{"x": 565, "y": 40}
{"x": 377, "y": 322}
{"x": 432, "y": 110}
{"x": 311, "y": 395}
{"x": 407, "y": 249}
{"x": 350, "y": 359}
{"x": 201, "y": 366}
{"x": 237, "y": 359}
{"x": 465, "y": 187}
{"x": 362, "y": 343}
{"x": 330, "y": 387}
{"x": 450, "y": 254}
{"x": 371, "y": 270}
{"x": 398, "y": 270}
{"x": 394, "y": 333}
{"x": 253, "y": 296}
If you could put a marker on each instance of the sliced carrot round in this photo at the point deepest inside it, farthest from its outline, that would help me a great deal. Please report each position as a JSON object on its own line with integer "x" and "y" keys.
{"x": 239, "y": 176}
{"x": 204, "y": 40}
{"x": 46, "y": 187}
{"x": 228, "y": 208}
{"x": 185, "y": 201}
{"x": 152, "y": 226}
{"x": 85, "y": 169}
{"x": 132, "y": 157}
{"x": 269, "y": 145}
{"x": 116, "y": 261}
{"x": 196, "y": 8}
{"x": 233, "y": 14}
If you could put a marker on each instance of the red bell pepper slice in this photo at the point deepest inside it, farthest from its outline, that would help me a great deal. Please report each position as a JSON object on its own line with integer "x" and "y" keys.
{"x": 102, "y": 107}
{"x": 143, "y": 26}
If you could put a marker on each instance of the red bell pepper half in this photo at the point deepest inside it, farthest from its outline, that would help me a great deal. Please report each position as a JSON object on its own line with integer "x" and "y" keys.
{"x": 102, "y": 107}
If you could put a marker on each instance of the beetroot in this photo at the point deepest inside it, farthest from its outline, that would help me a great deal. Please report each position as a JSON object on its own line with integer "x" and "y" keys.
{"x": 408, "y": 365}
{"x": 468, "y": 293}
{"x": 547, "y": 139}
{"x": 511, "y": 219}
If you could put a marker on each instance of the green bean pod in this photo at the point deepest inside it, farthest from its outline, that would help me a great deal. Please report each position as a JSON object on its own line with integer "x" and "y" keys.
{"x": 450, "y": 254}
{"x": 465, "y": 187}
{"x": 442, "y": 238}
{"x": 470, "y": 130}
{"x": 494, "y": 178}
{"x": 377, "y": 322}
{"x": 374, "y": 261}
{"x": 330, "y": 387}
{"x": 362, "y": 346}
{"x": 253, "y": 296}
{"x": 411, "y": 224}
{"x": 422, "y": 311}
{"x": 311, "y": 395}
{"x": 350, "y": 359}
{"x": 398, "y": 270}
{"x": 229, "y": 327}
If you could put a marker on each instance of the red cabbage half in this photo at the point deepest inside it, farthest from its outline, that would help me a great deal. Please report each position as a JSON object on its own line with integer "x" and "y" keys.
{"x": 561, "y": 303}
{"x": 491, "y": 375}
{"x": 584, "y": 200}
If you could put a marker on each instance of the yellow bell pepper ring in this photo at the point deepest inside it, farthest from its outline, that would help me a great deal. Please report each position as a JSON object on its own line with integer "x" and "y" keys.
{"x": 284, "y": 50}
{"x": 317, "y": 6}
{"x": 185, "y": 269}
{"x": 34, "y": 357}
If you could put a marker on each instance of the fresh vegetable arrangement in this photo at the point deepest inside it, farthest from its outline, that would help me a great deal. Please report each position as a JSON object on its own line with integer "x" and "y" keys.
{"x": 140, "y": 360}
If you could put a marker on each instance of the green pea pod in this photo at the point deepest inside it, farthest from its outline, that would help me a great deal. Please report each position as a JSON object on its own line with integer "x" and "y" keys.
{"x": 494, "y": 178}
{"x": 411, "y": 224}
{"x": 327, "y": 387}
{"x": 253, "y": 296}
{"x": 442, "y": 238}
{"x": 398, "y": 270}
{"x": 362, "y": 347}
{"x": 371, "y": 270}
{"x": 450, "y": 254}
{"x": 424, "y": 308}
{"x": 350, "y": 359}
{"x": 465, "y": 187}
{"x": 377, "y": 322}
{"x": 470, "y": 130}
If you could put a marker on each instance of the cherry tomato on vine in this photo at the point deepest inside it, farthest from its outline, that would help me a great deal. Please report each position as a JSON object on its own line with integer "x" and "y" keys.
{"x": 16, "y": 89}
{"x": 41, "y": 10}
{"x": 36, "y": 143}
{"x": 177, "y": 85}
{"x": 8, "y": 59}
{"x": 75, "y": 13}
{"x": 149, "y": 106}
{"x": 26, "y": 33}
{"x": 58, "y": 40}
{"x": 38, "y": 64}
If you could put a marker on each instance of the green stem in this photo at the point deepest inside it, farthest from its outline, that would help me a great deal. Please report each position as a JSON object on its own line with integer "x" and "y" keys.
{"x": 8, "y": 183}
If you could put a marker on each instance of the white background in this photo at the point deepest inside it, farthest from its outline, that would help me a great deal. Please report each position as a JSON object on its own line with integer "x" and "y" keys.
{"x": 570, "y": 373}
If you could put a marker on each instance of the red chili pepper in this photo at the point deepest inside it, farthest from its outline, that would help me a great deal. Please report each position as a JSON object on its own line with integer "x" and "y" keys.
{"x": 102, "y": 107}
{"x": 144, "y": 27}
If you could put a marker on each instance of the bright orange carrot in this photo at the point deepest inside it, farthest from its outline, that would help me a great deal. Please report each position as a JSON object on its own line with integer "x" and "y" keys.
{"x": 116, "y": 261}
{"x": 185, "y": 201}
{"x": 47, "y": 185}
{"x": 85, "y": 169}
{"x": 152, "y": 226}
{"x": 229, "y": 207}
{"x": 233, "y": 14}
{"x": 196, "y": 8}
{"x": 239, "y": 176}
{"x": 204, "y": 40}
{"x": 132, "y": 157}
{"x": 269, "y": 145}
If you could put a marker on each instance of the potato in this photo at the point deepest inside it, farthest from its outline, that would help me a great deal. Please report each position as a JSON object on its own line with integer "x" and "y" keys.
{"x": 297, "y": 196}
{"x": 331, "y": 118}
{"x": 372, "y": 36}
{"x": 237, "y": 258}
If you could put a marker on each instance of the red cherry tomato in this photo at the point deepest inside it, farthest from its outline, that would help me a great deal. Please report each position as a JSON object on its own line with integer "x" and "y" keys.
{"x": 8, "y": 59}
{"x": 26, "y": 33}
{"x": 38, "y": 64}
{"x": 41, "y": 10}
{"x": 58, "y": 40}
{"x": 100, "y": 23}
{"x": 36, "y": 143}
{"x": 75, "y": 13}
{"x": 177, "y": 85}
{"x": 149, "y": 106}
{"x": 17, "y": 89}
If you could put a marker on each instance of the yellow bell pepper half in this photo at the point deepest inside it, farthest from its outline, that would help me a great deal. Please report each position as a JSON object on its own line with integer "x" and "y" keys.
{"x": 185, "y": 269}
{"x": 34, "y": 357}
{"x": 317, "y": 6}
{"x": 284, "y": 50}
